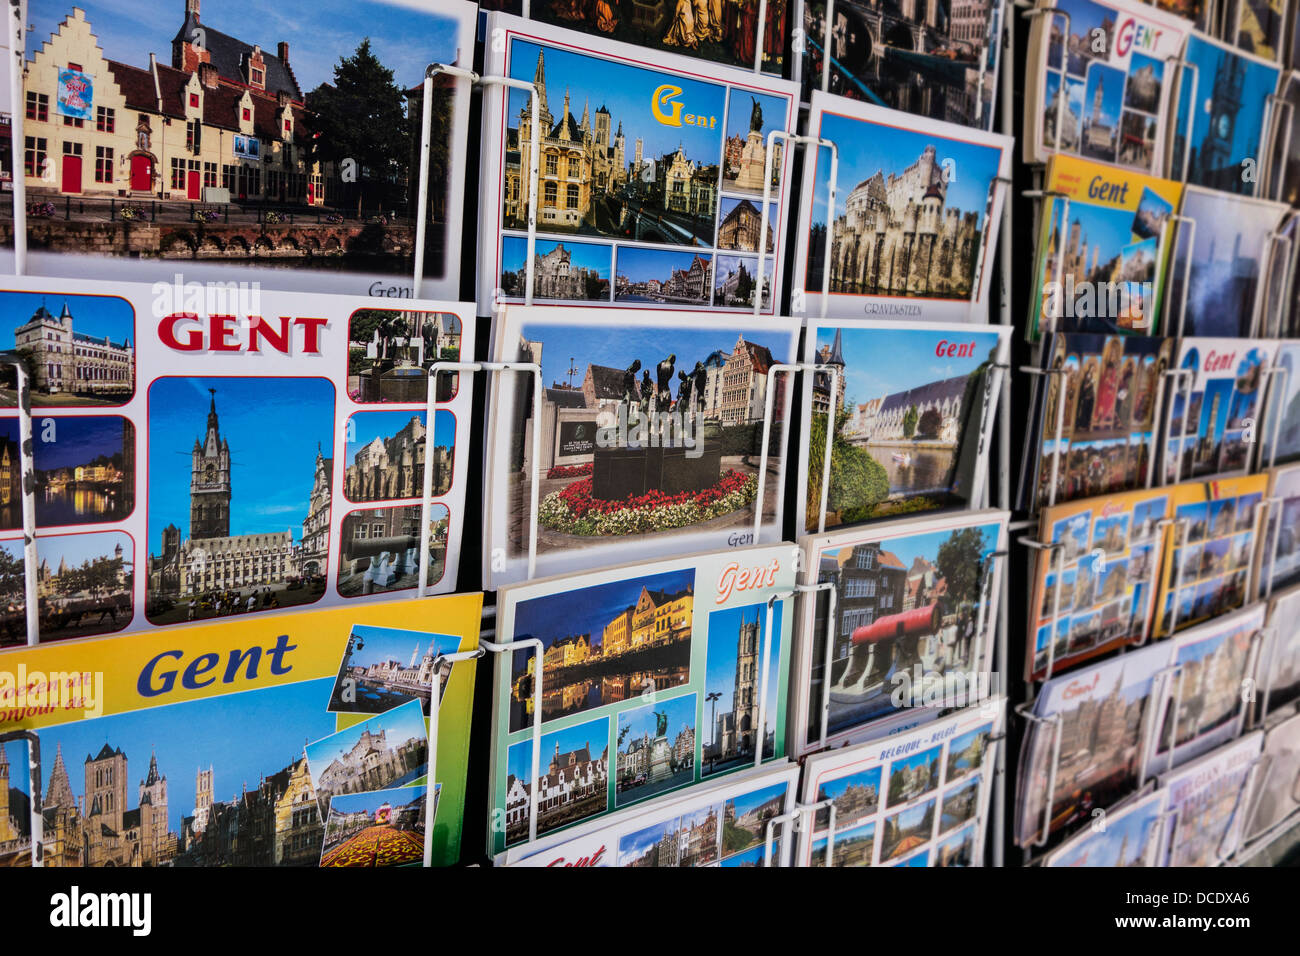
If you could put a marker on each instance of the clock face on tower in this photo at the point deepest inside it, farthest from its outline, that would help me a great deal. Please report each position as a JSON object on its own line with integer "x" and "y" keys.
{"x": 1224, "y": 125}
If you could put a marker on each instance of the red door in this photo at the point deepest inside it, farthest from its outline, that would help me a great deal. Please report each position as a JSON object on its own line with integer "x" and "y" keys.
{"x": 72, "y": 174}
{"x": 141, "y": 174}
{"x": 192, "y": 185}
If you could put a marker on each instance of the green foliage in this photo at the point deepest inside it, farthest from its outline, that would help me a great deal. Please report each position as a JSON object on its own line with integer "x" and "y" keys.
{"x": 959, "y": 560}
{"x": 909, "y": 421}
{"x": 858, "y": 482}
{"x": 929, "y": 425}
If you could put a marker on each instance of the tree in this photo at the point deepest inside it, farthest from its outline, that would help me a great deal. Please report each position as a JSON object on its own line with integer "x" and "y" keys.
{"x": 960, "y": 561}
{"x": 909, "y": 421}
{"x": 362, "y": 117}
{"x": 858, "y": 482}
{"x": 12, "y": 582}
{"x": 929, "y": 425}
{"x": 362, "y": 325}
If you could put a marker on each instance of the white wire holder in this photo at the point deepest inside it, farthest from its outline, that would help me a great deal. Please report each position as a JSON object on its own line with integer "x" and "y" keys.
{"x": 1254, "y": 566}
{"x": 1062, "y": 391}
{"x": 1187, "y": 273}
{"x": 1152, "y": 579}
{"x": 1277, "y": 390}
{"x": 794, "y": 139}
{"x": 790, "y": 368}
{"x": 27, "y": 458}
{"x": 769, "y": 830}
{"x": 36, "y": 817}
{"x": 1273, "y": 103}
{"x": 431, "y": 770}
{"x": 993, "y": 385}
{"x": 1270, "y": 635}
{"x": 438, "y": 368}
{"x": 803, "y": 816}
{"x": 1158, "y": 714}
{"x": 769, "y": 398}
{"x": 1261, "y": 326}
{"x": 1247, "y": 786}
{"x": 1273, "y": 506}
{"x": 990, "y": 571}
{"x": 828, "y": 646}
{"x": 431, "y": 72}
{"x": 1176, "y": 91}
{"x": 1173, "y": 377}
{"x": 510, "y": 648}
{"x": 1054, "y": 722}
{"x": 1041, "y": 196}
{"x": 1057, "y": 551}
{"x": 1030, "y": 12}
{"x": 758, "y": 40}
{"x": 1182, "y": 527}
{"x": 995, "y": 184}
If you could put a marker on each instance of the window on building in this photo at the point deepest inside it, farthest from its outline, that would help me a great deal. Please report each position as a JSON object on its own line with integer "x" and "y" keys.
{"x": 228, "y": 176}
{"x": 288, "y": 126}
{"x": 256, "y": 76}
{"x": 209, "y": 175}
{"x": 571, "y": 199}
{"x": 550, "y": 194}
{"x": 71, "y": 149}
{"x": 34, "y": 157}
{"x": 38, "y": 106}
{"x": 103, "y": 164}
{"x": 178, "y": 173}
{"x": 75, "y": 122}
{"x": 866, "y": 560}
{"x": 247, "y": 114}
{"x": 105, "y": 119}
{"x": 552, "y": 164}
{"x": 194, "y": 100}
{"x": 856, "y": 618}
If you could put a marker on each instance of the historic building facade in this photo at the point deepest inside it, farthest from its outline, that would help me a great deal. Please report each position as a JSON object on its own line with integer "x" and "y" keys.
{"x": 744, "y": 383}
{"x": 314, "y": 554}
{"x": 741, "y": 227}
{"x": 372, "y": 763}
{"x": 66, "y": 360}
{"x": 392, "y": 468}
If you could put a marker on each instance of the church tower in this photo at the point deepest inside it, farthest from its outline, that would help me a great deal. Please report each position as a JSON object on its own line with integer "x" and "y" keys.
{"x": 744, "y": 699}
{"x": 7, "y": 831}
{"x": 210, "y": 481}
{"x": 153, "y": 814}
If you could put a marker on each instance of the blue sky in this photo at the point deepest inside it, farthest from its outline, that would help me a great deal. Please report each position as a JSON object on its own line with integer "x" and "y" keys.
{"x": 370, "y": 802}
{"x": 958, "y": 744}
{"x": 911, "y": 358}
{"x": 1085, "y": 16}
{"x": 1197, "y": 650}
{"x": 1137, "y": 62}
{"x": 97, "y": 315}
{"x": 639, "y": 264}
{"x": 74, "y": 548}
{"x": 912, "y": 816}
{"x": 387, "y": 643}
{"x": 400, "y": 724}
{"x": 864, "y": 831}
{"x": 926, "y": 545}
{"x": 1112, "y": 93}
{"x": 16, "y": 754}
{"x": 1102, "y": 848}
{"x": 720, "y": 666}
{"x": 1259, "y": 81}
{"x": 868, "y": 148}
{"x": 585, "y": 255}
{"x": 626, "y": 92}
{"x": 318, "y": 32}
{"x": 592, "y": 733}
{"x": 742, "y": 104}
{"x": 1109, "y": 228}
{"x": 587, "y": 610}
{"x": 76, "y": 440}
{"x": 617, "y": 346}
{"x": 634, "y": 845}
{"x": 365, "y": 427}
{"x": 924, "y": 758}
{"x": 242, "y": 736}
{"x": 866, "y": 778}
{"x": 273, "y": 426}
{"x": 642, "y": 720}
{"x": 748, "y": 801}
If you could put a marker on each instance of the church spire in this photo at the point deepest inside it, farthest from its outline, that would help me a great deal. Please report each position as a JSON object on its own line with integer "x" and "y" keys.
{"x": 60, "y": 789}
{"x": 539, "y": 81}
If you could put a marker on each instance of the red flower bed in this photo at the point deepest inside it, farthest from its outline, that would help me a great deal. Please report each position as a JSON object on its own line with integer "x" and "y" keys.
{"x": 569, "y": 471}
{"x": 579, "y": 500}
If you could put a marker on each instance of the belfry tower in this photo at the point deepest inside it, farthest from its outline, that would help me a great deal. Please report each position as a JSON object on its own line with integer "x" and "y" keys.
{"x": 210, "y": 481}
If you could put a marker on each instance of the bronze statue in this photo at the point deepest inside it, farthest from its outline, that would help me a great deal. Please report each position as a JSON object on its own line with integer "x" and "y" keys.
{"x": 647, "y": 390}
{"x": 683, "y": 392}
{"x": 629, "y": 382}
{"x": 661, "y": 723}
{"x": 701, "y": 378}
{"x": 756, "y": 117}
{"x": 664, "y": 373}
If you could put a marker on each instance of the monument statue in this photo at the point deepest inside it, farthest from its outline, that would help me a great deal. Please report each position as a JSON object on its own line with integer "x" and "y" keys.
{"x": 683, "y": 392}
{"x": 629, "y": 382}
{"x": 664, "y": 373}
{"x": 756, "y": 117}
{"x": 661, "y": 723}
{"x": 647, "y": 390}
{"x": 700, "y": 378}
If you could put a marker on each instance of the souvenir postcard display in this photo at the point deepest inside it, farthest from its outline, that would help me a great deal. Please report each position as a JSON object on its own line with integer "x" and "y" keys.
{"x": 1279, "y": 683}
{"x": 1279, "y": 557}
{"x": 1098, "y": 84}
{"x": 643, "y": 691}
{"x": 725, "y": 31}
{"x": 203, "y": 452}
{"x": 1206, "y": 567}
{"x": 938, "y": 60}
{"x": 918, "y": 798}
{"x": 1220, "y": 118}
{"x": 723, "y": 824}
{"x": 915, "y": 604}
{"x": 1206, "y": 803}
{"x": 917, "y": 210}
{"x": 1130, "y": 837}
{"x": 1219, "y": 292}
{"x": 1102, "y": 249}
{"x": 1284, "y": 403}
{"x": 1102, "y": 438}
{"x": 190, "y": 141}
{"x": 1282, "y": 171}
{"x": 1276, "y": 795}
{"x": 1257, "y": 26}
{"x": 650, "y": 178}
{"x": 310, "y": 735}
{"x": 649, "y": 425}
{"x": 1094, "y": 594}
{"x": 911, "y": 404}
{"x": 1216, "y": 410}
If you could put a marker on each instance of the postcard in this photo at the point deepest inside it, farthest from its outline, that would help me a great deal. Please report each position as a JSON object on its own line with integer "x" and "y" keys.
{"x": 918, "y": 204}
{"x": 1209, "y": 555}
{"x": 1094, "y": 593}
{"x": 1125, "y": 837}
{"x": 650, "y": 178}
{"x": 1098, "y": 83}
{"x": 1215, "y": 411}
{"x": 169, "y": 747}
{"x": 1257, "y": 26}
{"x": 911, "y": 405}
{"x": 939, "y": 61}
{"x": 203, "y": 452}
{"x": 724, "y": 31}
{"x": 1215, "y": 269}
{"x": 1090, "y": 739}
{"x": 1282, "y": 146}
{"x": 374, "y": 675}
{"x": 197, "y": 143}
{"x": 1279, "y": 560}
{"x": 924, "y": 792}
{"x": 1222, "y": 101}
{"x": 1276, "y": 796}
{"x": 1280, "y": 435}
{"x": 651, "y": 438}
{"x": 1102, "y": 438}
{"x": 1278, "y": 675}
{"x": 1103, "y": 245}
{"x": 1206, "y": 801}
{"x": 915, "y": 601}
{"x": 643, "y": 689}
{"x": 16, "y": 778}
{"x": 709, "y": 825}
{"x": 1206, "y": 700}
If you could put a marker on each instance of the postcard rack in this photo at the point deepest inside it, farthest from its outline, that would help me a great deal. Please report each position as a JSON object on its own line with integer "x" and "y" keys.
{"x": 813, "y": 143}
{"x": 27, "y": 456}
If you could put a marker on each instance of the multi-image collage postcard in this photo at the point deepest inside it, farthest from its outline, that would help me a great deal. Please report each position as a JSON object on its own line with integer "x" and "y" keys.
{"x": 918, "y": 205}
{"x": 653, "y": 198}
{"x": 286, "y": 775}
{"x": 650, "y": 438}
{"x": 1280, "y": 437}
{"x": 937, "y": 60}
{"x": 1098, "y": 83}
{"x": 715, "y": 825}
{"x": 196, "y": 142}
{"x": 915, "y": 603}
{"x": 1276, "y": 796}
{"x": 1102, "y": 438}
{"x": 919, "y": 798}
{"x": 653, "y": 677}
{"x": 1279, "y": 559}
{"x": 1103, "y": 245}
{"x": 204, "y": 452}
{"x": 910, "y": 432}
